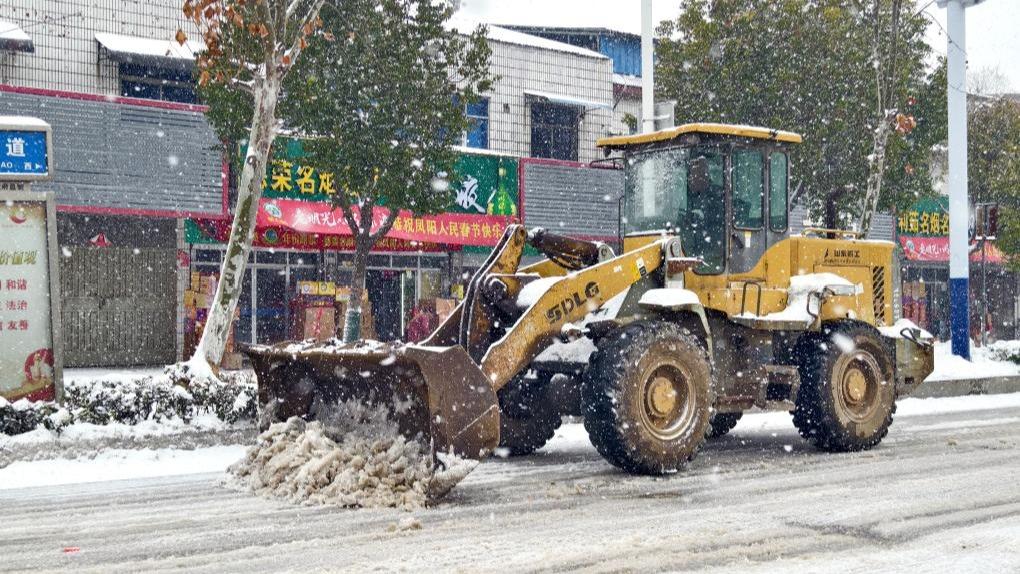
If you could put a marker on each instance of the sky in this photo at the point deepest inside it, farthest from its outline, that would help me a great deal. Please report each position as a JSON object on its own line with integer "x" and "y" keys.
{"x": 993, "y": 26}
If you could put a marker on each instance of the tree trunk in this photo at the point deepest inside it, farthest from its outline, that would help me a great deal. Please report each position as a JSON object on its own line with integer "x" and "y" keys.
{"x": 352, "y": 318}
{"x": 876, "y": 171}
{"x": 249, "y": 192}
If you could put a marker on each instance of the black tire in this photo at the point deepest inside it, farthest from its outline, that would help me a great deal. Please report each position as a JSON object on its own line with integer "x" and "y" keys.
{"x": 847, "y": 391}
{"x": 722, "y": 423}
{"x": 646, "y": 396}
{"x": 528, "y": 418}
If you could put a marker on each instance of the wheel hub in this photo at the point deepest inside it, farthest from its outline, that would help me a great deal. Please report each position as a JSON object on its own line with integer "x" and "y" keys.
{"x": 856, "y": 385}
{"x": 662, "y": 397}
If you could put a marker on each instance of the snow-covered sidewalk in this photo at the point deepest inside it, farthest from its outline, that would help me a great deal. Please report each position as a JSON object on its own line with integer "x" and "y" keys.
{"x": 119, "y": 464}
{"x": 986, "y": 362}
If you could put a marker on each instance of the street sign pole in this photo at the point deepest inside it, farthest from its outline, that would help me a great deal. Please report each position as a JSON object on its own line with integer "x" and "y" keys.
{"x": 647, "y": 69}
{"x": 959, "y": 261}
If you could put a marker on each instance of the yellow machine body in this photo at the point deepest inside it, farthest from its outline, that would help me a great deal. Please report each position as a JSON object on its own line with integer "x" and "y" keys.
{"x": 461, "y": 382}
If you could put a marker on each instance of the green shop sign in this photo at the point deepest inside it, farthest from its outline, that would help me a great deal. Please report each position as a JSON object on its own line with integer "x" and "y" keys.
{"x": 926, "y": 218}
{"x": 487, "y": 183}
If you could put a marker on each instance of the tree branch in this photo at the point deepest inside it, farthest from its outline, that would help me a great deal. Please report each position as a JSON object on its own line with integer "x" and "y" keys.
{"x": 387, "y": 224}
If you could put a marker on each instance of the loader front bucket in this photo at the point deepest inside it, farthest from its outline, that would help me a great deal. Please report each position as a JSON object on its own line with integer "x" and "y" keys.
{"x": 436, "y": 395}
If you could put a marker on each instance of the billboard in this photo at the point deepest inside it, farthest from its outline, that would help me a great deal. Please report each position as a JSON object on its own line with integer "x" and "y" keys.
{"x": 29, "y": 300}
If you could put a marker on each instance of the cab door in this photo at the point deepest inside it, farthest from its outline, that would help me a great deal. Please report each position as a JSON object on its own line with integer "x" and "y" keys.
{"x": 748, "y": 234}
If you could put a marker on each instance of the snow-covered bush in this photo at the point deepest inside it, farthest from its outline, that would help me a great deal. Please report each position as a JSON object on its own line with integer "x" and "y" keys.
{"x": 131, "y": 400}
{"x": 1005, "y": 351}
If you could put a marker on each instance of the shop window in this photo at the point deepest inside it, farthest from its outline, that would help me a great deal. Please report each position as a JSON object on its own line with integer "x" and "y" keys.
{"x": 748, "y": 189}
{"x": 379, "y": 261}
{"x": 156, "y": 83}
{"x": 207, "y": 256}
{"x": 554, "y": 131}
{"x": 433, "y": 262}
{"x": 778, "y": 192}
{"x": 270, "y": 256}
{"x": 477, "y": 135}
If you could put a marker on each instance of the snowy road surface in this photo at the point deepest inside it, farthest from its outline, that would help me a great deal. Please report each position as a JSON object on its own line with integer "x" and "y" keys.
{"x": 941, "y": 494}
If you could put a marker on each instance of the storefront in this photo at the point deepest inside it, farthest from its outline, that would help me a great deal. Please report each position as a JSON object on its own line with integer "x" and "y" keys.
{"x": 301, "y": 265}
{"x": 923, "y": 232}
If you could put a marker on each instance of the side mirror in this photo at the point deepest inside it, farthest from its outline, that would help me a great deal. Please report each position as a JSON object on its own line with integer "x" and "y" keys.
{"x": 697, "y": 176}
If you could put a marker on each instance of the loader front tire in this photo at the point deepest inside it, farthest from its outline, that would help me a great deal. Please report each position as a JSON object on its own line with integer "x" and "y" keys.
{"x": 722, "y": 423}
{"x": 528, "y": 418}
{"x": 646, "y": 396}
{"x": 847, "y": 391}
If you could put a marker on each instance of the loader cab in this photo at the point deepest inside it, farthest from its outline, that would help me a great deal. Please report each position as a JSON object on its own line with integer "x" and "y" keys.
{"x": 724, "y": 190}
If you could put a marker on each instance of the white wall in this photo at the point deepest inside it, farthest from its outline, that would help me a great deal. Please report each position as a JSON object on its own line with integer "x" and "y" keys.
{"x": 525, "y": 67}
{"x": 66, "y": 54}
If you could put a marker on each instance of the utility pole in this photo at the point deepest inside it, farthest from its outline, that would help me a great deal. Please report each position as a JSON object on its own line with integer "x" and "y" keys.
{"x": 647, "y": 69}
{"x": 959, "y": 210}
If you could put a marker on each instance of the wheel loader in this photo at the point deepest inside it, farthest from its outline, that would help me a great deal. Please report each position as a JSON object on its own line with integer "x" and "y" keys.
{"x": 710, "y": 308}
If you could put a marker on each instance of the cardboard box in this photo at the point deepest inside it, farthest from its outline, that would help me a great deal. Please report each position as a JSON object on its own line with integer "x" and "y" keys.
{"x": 318, "y": 323}
{"x": 445, "y": 307}
{"x": 208, "y": 286}
{"x": 196, "y": 280}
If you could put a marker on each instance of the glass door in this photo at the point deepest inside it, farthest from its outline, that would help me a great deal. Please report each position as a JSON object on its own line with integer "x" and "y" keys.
{"x": 270, "y": 304}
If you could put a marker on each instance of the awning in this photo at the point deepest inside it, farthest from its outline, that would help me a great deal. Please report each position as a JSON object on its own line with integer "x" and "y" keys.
{"x": 551, "y": 98}
{"x": 166, "y": 53}
{"x": 13, "y": 38}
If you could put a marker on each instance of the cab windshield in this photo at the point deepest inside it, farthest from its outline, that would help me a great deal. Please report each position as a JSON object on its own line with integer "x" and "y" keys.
{"x": 658, "y": 198}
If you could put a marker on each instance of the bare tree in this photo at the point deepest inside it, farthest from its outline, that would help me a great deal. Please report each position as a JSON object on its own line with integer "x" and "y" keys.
{"x": 886, "y": 48}
{"x": 251, "y": 45}
{"x": 987, "y": 81}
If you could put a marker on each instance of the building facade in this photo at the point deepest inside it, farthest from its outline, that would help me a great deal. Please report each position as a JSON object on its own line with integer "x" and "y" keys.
{"x": 624, "y": 49}
{"x": 143, "y": 184}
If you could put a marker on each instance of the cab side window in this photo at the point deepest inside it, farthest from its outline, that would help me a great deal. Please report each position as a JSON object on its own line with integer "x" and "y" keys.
{"x": 748, "y": 189}
{"x": 778, "y": 191}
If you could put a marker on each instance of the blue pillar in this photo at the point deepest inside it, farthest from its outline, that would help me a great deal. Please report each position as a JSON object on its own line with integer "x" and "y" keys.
{"x": 959, "y": 315}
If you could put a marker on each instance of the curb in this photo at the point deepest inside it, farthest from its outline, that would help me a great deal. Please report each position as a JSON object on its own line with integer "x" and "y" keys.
{"x": 964, "y": 387}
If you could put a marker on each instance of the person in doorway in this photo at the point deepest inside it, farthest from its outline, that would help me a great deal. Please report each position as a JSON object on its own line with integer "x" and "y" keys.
{"x": 423, "y": 321}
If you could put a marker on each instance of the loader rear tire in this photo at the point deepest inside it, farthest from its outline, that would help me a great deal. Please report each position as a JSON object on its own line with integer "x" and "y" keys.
{"x": 722, "y": 423}
{"x": 646, "y": 396}
{"x": 528, "y": 417}
{"x": 847, "y": 391}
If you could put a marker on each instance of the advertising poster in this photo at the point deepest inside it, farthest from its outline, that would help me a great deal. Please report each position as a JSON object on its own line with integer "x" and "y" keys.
{"x": 26, "y": 344}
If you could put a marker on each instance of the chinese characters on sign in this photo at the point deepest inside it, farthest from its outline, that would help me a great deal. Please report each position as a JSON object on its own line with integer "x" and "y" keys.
{"x": 923, "y": 231}
{"x": 929, "y": 218}
{"x": 23, "y": 153}
{"x": 26, "y": 346}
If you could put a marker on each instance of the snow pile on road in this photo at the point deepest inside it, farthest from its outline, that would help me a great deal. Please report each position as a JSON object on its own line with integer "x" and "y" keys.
{"x": 985, "y": 363}
{"x": 355, "y": 457}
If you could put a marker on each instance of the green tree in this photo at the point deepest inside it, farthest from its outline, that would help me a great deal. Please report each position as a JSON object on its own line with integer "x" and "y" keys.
{"x": 382, "y": 109}
{"x": 251, "y": 46}
{"x": 993, "y": 173}
{"x": 813, "y": 67}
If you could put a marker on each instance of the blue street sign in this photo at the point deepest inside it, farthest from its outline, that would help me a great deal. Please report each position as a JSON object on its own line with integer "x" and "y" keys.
{"x": 23, "y": 153}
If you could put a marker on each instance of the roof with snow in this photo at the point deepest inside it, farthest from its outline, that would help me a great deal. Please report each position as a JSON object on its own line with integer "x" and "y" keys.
{"x": 508, "y": 36}
{"x": 569, "y": 30}
{"x": 14, "y": 39}
{"x": 137, "y": 50}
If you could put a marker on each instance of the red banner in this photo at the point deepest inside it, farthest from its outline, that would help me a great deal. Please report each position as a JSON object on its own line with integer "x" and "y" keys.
{"x": 322, "y": 219}
{"x": 937, "y": 249}
{"x": 284, "y": 238}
